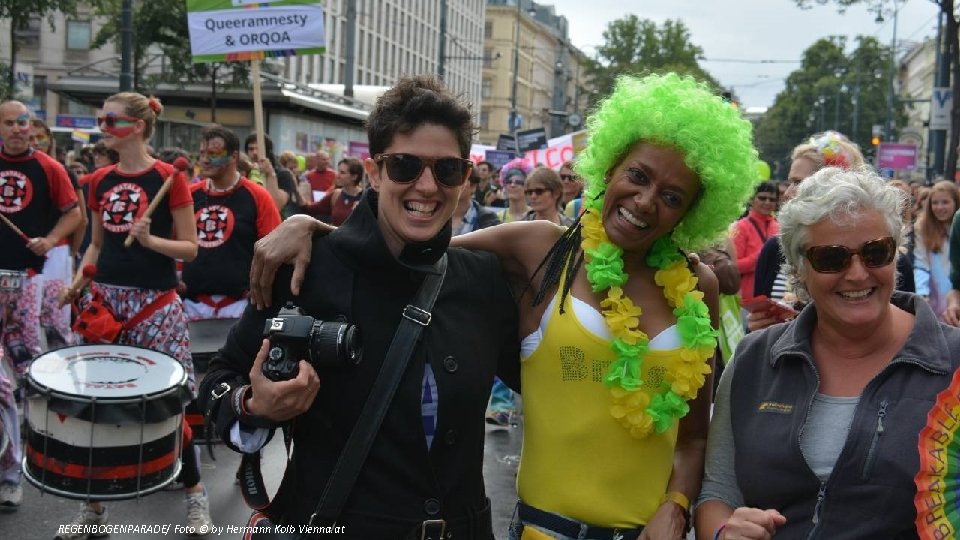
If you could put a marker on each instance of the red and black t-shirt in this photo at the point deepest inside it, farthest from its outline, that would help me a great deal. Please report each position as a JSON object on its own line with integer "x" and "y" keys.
{"x": 119, "y": 199}
{"x": 34, "y": 192}
{"x": 228, "y": 225}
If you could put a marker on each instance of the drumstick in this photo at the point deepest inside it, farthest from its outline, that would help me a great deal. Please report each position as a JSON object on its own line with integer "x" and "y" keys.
{"x": 85, "y": 277}
{"x": 180, "y": 164}
{"x": 15, "y": 229}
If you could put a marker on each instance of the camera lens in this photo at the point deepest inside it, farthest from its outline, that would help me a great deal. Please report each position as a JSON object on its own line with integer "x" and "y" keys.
{"x": 335, "y": 344}
{"x": 276, "y": 353}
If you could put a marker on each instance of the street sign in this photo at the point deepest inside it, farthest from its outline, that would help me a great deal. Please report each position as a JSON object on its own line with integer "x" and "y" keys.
{"x": 896, "y": 156}
{"x": 232, "y": 30}
{"x": 941, "y": 105}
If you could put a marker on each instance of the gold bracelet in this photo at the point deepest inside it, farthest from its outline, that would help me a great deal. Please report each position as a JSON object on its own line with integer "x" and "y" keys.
{"x": 680, "y": 499}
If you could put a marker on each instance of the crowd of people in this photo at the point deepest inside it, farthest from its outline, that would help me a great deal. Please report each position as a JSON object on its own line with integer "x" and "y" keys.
{"x": 606, "y": 294}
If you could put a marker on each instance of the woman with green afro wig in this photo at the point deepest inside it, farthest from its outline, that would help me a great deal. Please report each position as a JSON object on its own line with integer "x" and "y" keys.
{"x": 618, "y": 327}
{"x": 675, "y": 111}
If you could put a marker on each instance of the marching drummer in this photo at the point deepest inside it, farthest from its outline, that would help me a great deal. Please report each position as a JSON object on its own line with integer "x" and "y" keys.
{"x": 232, "y": 213}
{"x": 137, "y": 281}
{"x": 39, "y": 209}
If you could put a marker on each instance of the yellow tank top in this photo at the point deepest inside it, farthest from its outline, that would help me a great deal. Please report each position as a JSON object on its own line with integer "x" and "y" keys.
{"x": 577, "y": 460}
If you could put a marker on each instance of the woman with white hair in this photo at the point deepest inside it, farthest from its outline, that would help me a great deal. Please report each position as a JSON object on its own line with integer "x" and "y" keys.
{"x": 843, "y": 389}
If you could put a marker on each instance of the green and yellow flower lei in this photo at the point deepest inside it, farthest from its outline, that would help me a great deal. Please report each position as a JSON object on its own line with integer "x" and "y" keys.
{"x": 638, "y": 410}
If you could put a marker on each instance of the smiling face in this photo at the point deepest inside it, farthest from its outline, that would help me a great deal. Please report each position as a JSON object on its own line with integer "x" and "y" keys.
{"x": 857, "y": 296}
{"x": 942, "y": 205}
{"x": 416, "y": 211}
{"x": 764, "y": 203}
{"x": 15, "y": 127}
{"x": 647, "y": 195}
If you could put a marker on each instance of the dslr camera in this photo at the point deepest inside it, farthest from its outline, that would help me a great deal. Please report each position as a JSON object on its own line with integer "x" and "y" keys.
{"x": 294, "y": 336}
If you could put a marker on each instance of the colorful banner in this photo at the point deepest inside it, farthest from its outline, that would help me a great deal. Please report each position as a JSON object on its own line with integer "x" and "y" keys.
{"x": 896, "y": 156}
{"x": 81, "y": 137}
{"x": 231, "y": 30}
{"x": 558, "y": 151}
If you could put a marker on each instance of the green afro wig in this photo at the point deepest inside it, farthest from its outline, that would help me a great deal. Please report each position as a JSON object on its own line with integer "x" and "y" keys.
{"x": 675, "y": 111}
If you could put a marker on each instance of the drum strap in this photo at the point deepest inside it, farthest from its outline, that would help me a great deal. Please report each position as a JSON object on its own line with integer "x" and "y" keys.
{"x": 151, "y": 308}
{"x": 416, "y": 316}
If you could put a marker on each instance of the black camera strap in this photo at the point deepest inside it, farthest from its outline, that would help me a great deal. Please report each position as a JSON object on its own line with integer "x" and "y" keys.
{"x": 416, "y": 316}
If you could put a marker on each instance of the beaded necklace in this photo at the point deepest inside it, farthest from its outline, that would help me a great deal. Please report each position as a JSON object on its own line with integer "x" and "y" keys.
{"x": 639, "y": 409}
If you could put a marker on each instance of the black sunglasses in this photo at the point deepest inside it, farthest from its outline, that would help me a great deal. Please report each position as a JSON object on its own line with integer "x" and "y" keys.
{"x": 569, "y": 177}
{"x": 536, "y": 191}
{"x": 833, "y": 259}
{"x": 766, "y": 198}
{"x": 405, "y": 168}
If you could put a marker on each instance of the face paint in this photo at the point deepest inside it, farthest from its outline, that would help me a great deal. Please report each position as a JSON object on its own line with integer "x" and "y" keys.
{"x": 218, "y": 159}
{"x": 23, "y": 121}
{"x": 119, "y": 131}
{"x": 117, "y": 125}
{"x": 43, "y": 143}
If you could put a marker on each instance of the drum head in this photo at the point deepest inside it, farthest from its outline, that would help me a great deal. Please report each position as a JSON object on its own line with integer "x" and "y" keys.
{"x": 106, "y": 372}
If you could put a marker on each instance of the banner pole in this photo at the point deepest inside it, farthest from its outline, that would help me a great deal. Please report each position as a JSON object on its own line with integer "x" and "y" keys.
{"x": 257, "y": 107}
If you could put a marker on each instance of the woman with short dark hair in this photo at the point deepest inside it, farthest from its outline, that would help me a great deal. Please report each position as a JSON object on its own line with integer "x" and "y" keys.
{"x": 423, "y": 476}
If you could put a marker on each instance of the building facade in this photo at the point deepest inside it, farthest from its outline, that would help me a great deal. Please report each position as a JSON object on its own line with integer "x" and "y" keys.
{"x": 917, "y": 72}
{"x": 546, "y": 87}
{"x": 394, "y": 38}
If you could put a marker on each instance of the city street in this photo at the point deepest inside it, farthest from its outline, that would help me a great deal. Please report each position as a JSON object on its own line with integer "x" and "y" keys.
{"x": 40, "y": 515}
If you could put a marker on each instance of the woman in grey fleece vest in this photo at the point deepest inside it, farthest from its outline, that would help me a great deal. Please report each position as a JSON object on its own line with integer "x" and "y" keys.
{"x": 816, "y": 423}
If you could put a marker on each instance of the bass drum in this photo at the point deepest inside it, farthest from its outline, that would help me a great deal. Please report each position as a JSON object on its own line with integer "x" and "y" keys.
{"x": 104, "y": 422}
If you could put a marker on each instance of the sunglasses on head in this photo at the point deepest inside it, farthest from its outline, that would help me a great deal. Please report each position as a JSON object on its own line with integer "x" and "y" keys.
{"x": 536, "y": 191}
{"x": 110, "y": 120}
{"x": 405, "y": 168}
{"x": 833, "y": 259}
{"x": 569, "y": 177}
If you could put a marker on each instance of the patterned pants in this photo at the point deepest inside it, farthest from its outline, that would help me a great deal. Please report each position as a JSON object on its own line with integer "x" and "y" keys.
{"x": 10, "y": 428}
{"x": 164, "y": 331}
{"x": 20, "y": 326}
{"x": 55, "y": 320}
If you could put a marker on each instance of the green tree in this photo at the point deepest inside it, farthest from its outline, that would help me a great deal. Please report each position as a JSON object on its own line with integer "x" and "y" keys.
{"x": 635, "y": 45}
{"x": 163, "y": 24}
{"x": 20, "y": 11}
{"x": 830, "y": 90}
{"x": 950, "y": 38}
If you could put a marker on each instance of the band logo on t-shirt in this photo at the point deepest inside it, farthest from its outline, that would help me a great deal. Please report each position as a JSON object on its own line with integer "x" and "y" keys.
{"x": 122, "y": 205}
{"x": 214, "y": 225}
{"x": 16, "y": 191}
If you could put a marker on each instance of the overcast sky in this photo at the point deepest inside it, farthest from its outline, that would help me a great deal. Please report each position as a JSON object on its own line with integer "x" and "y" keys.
{"x": 752, "y": 30}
